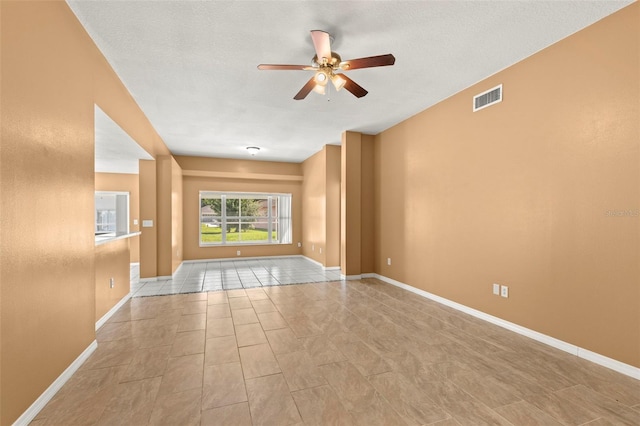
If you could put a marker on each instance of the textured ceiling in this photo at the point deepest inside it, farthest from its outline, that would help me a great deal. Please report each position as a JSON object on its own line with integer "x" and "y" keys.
{"x": 191, "y": 65}
{"x": 115, "y": 151}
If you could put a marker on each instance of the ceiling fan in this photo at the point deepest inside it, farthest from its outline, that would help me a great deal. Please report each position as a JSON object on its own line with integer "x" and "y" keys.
{"x": 326, "y": 65}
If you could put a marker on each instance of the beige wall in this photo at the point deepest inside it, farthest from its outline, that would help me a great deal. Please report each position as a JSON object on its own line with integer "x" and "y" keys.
{"x": 125, "y": 182}
{"x": 164, "y": 213}
{"x": 176, "y": 215}
{"x": 351, "y": 204}
{"x": 321, "y": 206}
{"x": 332, "y": 227}
{"x": 52, "y": 75}
{"x": 314, "y": 207}
{"x": 112, "y": 261}
{"x": 367, "y": 193}
{"x": 518, "y": 193}
{"x": 216, "y": 174}
{"x": 169, "y": 214}
{"x": 148, "y": 211}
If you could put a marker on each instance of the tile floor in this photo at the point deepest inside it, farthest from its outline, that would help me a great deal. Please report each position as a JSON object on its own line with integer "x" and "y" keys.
{"x": 357, "y": 352}
{"x": 233, "y": 274}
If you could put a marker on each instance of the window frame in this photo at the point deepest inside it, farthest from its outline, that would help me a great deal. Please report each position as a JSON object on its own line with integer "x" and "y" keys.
{"x": 273, "y": 222}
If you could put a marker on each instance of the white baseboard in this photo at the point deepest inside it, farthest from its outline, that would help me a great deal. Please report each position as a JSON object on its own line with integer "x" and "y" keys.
{"x": 112, "y": 311}
{"x": 326, "y": 268}
{"x": 177, "y": 269}
{"x": 226, "y": 259}
{"x": 51, "y": 391}
{"x": 315, "y": 262}
{"x": 602, "y": 360}
{"x": 620, "y": 367}
{"x": 350, "y": 277}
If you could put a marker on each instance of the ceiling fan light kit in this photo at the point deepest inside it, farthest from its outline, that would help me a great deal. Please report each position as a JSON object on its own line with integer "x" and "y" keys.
{"x": 326, "y": 64}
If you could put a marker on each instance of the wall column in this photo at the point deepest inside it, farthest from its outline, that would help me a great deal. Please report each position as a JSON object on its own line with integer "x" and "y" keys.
{"x": 149, "y": 237}
{"x": 332, "y": 205}
{"x": 163, "y": 211}
{"x": 351, "y": 205}
{"x": 169, "y": 214}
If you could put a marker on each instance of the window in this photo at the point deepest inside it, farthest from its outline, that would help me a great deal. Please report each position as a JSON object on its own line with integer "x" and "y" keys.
{"x": 111, "y": 212}
{"x": 244, "y": 218}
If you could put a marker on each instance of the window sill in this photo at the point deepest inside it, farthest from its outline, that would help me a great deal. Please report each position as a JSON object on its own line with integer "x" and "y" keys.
{"x": 244, "y": 244}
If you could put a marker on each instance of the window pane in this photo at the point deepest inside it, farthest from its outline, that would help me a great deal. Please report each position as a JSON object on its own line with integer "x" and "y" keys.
{"x": 233, "y": 207}
{"x": 254, "y": 207}
{"x": 254, "y": 235}
{"x": 210, "y": 220}
{"x": 258, "y": 223}
{"x": 106, "y": 221}
{"x": 210, "y": 233}
{"x": 244, "y": 218}
{"x": 233, "y": 233}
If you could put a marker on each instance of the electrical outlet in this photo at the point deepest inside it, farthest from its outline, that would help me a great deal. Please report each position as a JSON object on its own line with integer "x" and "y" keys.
{"x": 112, "y": 283}
{"x": 320, "y": 250}
{"x": 238, "y": 253}
{"x": 504, "y": 291}
{"x": 389, "y": 261}
{"x": 496, "y": 289}
{"x": 299, "y": 244}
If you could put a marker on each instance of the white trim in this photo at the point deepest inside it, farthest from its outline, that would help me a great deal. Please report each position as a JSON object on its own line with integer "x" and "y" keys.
{"x": 177, "y": 269}
{"x": 331, "y": 268}
{"x": 112, "y": 311}
{"x": 51, "y": 391}
{"x": 620, "y": 367}
{"x": 104, "y": 240}
{"x": 350, "y": 277}
{"x": 602, "y": 360}
{"x": 326, "y": 268}
{"x": 226, "y": 259}
{"x": 163, "y": 277}
{"x": 315, "y": 262}
{"x": 134, "y": 264}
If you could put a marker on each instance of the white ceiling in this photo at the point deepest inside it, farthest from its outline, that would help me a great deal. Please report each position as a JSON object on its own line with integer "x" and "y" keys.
{"x": 191, "y": 65}
{"x": 115, "y": 151}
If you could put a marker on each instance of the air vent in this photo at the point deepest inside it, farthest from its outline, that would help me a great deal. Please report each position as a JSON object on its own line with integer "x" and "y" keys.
{"x": 488, "y": 98}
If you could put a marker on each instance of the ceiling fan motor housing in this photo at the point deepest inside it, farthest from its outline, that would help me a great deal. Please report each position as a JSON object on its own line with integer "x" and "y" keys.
{"x": 333, "y": 62}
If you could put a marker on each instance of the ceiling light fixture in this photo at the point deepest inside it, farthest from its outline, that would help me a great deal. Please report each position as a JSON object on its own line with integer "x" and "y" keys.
{"x": 319, "y": 89}
{"x": 322, "y": 77}
{"x": 338, "y": 81}
{"x": 253, "y": 150}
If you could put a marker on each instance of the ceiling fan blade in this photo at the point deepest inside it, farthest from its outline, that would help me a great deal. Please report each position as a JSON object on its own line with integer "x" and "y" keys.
{"x": 322, "y": 43}
{"x": 357, "y": 90}
{"x": 305, "y": 89}
{"x": 284, "y": 67}
{"x": 371, "y": 61}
